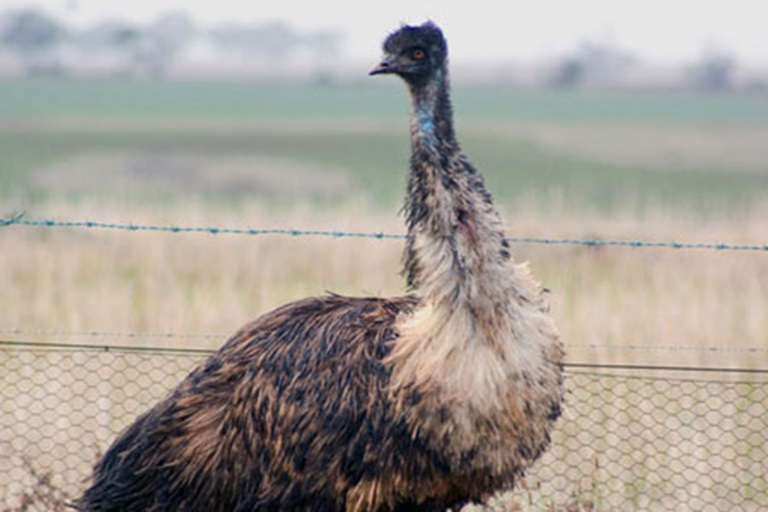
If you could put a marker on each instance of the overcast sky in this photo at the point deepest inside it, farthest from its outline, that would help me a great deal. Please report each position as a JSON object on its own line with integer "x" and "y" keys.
{"x": 663, "y": 31}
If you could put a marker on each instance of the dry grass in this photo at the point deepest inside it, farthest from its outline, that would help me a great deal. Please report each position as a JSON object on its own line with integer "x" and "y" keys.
{"x": 95, "y": 280}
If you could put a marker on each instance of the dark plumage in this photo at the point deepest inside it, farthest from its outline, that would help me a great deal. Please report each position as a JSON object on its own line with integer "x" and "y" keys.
{"x": 422, "y": 402}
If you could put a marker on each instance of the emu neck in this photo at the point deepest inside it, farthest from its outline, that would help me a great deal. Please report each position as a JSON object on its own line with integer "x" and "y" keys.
{"x": 455, "y": 249}
{"x": 432, "y": 116}
{"x": 464, "y": 342}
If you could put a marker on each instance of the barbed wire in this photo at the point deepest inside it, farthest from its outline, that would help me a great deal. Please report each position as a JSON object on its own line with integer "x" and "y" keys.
{"x": 19, "y": 220}
{"x": 211, "y": 230}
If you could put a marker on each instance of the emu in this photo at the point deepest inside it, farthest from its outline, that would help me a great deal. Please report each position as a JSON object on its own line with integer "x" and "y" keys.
{"x": 423, "y": 402}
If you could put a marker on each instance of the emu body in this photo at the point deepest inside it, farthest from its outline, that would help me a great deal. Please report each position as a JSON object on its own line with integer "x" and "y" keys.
{"x": 422, "y": 402}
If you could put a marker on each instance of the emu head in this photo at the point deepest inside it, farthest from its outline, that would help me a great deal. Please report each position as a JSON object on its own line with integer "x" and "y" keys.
{"x": 417, "y": 54}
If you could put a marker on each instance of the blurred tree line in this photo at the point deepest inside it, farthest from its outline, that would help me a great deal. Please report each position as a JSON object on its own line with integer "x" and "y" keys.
{"x": 601, "y": 62}
{"x": 46, "y": 46}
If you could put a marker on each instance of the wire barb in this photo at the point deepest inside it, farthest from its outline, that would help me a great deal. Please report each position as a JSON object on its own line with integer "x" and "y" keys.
{"x": 13, "y": 219}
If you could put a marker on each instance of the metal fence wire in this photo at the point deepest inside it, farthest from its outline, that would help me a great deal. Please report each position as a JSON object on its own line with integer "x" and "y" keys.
{"x": 629, "y": 440}
{"x": 19, "y": 220}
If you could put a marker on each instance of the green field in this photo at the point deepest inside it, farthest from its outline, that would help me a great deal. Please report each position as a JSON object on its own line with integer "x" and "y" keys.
{"x": 609, "y": 149}
{"x": 366, "y": 100}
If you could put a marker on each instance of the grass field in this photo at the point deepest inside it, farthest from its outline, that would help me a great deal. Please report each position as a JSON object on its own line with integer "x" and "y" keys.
{"x": 654, "y": 167}
{"x": 605, "y": 150}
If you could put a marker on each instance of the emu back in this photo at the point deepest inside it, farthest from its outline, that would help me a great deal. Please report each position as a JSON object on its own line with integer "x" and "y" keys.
{"x": 288, "y": 414}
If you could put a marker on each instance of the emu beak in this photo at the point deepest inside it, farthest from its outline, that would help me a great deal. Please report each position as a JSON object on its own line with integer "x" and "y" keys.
{"x": 385, "y": 66}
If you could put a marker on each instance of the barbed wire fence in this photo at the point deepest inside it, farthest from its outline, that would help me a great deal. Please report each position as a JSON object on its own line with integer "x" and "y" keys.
{"x": 19, "y": 220}
{"x": 633, "y": 437}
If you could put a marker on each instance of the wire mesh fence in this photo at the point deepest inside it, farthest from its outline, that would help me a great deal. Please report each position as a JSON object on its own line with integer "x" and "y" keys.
{"x": 659, "y": 442}
{"x": 629, "y": 439}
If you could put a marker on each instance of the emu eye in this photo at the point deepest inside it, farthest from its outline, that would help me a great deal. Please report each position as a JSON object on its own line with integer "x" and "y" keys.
{"x": 418, "y": 54}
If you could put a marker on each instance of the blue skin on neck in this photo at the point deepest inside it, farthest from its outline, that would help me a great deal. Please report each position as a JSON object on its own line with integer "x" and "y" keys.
{"x": 425, "y": 116}
{"x": 425, "y": 113}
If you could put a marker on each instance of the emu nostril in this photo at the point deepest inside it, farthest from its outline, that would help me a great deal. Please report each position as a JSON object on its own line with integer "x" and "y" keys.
{"x": 384, "y": 66}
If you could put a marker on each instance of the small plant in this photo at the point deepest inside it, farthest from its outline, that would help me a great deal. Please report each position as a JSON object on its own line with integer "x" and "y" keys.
{"x": 43, "y": 494}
